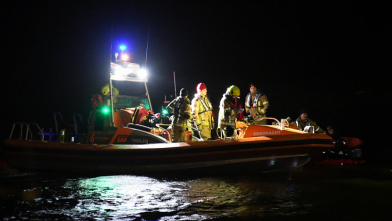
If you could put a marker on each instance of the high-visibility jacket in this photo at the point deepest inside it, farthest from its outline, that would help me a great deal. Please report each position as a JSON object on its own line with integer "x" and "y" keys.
{"x": 181, "y": 109}
{"x": 228, "y": 109}
{"x": 202, "y": 111}
{"x": 256, "y": 105}
{"x": 301, "y": 124}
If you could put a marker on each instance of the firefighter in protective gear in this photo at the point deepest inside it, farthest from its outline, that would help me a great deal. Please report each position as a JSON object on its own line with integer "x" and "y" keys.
{"x": 181, "y": 109}
{"x": 256, "y": 105}
{"x": 202, "y": 112}
{"x": 106, "y": 94}
{"x": 229, "y": 107}
{"x": 303, "y": 120}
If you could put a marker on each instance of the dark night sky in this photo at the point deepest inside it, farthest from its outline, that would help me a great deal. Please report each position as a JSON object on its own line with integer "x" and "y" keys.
{"x": 326, "y": 57}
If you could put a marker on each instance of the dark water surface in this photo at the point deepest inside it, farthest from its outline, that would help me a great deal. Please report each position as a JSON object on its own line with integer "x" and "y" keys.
{"x": 319, "y": 193}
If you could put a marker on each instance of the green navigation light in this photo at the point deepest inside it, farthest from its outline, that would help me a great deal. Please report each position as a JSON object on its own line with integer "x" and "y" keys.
{"x": 105, "y": 110}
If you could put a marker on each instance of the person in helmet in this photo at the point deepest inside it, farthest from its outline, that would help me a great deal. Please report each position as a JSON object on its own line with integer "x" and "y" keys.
{"x": 202, "y": 112}
{"x": 181, "y": 109}
{"x": 106, "y": 94}
{"x": 303, "y": 120}
{"x": 229, "y": 107}
{"x": 256, "y": 104}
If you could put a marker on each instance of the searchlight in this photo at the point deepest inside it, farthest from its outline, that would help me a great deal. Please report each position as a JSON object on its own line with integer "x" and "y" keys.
{"x": 126, "y": 71}
{"x": 142, "y": 73}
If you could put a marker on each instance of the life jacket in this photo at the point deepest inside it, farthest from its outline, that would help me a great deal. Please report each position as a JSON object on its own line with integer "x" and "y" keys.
{"x": 206, "y": 105}
{"x": 96, "y": 100}
{"x": 181, "y": 115}
{"x": 139, "y": 114}
{"x": 301, "y": 125}
{"x": 232, "y": 108}
{"x": 254, "y": 103}
{"x": 177, "y": 106}
{"x": 204, "y": 112}
{"x": 232, "y": 101}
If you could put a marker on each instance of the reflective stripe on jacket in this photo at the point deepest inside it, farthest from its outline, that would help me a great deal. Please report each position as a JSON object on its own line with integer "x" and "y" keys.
{"x": 227, "y": 114}
{"x": 256, "y": 108}
{"x": 202, "y": 111}
{"x": 302, "y": 124}
{"x": 181, "y": 113}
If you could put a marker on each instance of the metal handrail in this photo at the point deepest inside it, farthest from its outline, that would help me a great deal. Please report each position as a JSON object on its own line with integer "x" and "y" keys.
{"x": 55, "y": 121}
{"x": 282, "y": 124}
{"x": 267, "y": 118}
{"x": 139, "y": 125}
{"x": 309, "y": 129}
{"x": 168, "y": 134}
{"x": 149, "y": 128}
{"x": 76, "y": 123}
{"x": 196, "y": 129}
{"x": 27, "y": 130}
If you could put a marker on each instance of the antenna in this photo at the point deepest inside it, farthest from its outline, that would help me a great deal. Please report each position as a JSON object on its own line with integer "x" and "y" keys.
{"x": 175, "y": 90}
{"x": 148, "y": 37}
{"x": 110, "y": 81}
{"x": 111, "y": 42}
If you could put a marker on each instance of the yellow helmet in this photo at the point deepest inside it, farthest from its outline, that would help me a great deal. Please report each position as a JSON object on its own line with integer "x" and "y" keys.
{"x": 106, "y": 90}
{"x": 233, "y": 90}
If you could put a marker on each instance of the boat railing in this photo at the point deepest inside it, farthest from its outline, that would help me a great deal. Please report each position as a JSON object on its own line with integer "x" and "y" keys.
{"x": 56, "y": 114}
{"x": 27, "y": 132}
{"x": 309, "y": 129}
{"x": 145, "y": 128}
{"x": 282, "y": 123}
{"x": 167, "y": 132}
{"x": 265, "y": 118}
{"x": 139, "y": 126}
{"x": 77, "y": 119}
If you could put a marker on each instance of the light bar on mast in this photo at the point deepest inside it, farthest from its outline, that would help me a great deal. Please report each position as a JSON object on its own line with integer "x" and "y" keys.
{"x": 126, "y": 71}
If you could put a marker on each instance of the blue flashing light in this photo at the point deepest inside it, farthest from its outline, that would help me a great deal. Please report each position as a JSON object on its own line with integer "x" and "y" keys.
{"x": 123, "y": 47}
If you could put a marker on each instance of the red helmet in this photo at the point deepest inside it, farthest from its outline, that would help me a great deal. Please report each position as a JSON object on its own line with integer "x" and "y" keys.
{"x": 200, "y": 87}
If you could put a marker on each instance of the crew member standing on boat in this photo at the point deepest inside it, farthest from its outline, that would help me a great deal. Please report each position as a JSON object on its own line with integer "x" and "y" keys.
{"x": 181, "y": 109}
{"x": 106, "y": 95}
{"x": 303, "y": 120}
{"x": 256, "y": 105}
{"x": 228, "y": 109}
{"x": 202, "y": 112}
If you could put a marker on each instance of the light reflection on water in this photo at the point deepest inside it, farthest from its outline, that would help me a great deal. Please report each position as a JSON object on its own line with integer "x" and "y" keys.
{"x": 306, "y": 196}
{"x": 197, "y": 199}
{"x": 126, "y": 196}
{"x": 146, "y": 198}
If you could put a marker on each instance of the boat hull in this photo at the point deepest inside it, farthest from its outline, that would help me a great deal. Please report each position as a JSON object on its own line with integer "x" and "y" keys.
{"x": 267, "y": 153}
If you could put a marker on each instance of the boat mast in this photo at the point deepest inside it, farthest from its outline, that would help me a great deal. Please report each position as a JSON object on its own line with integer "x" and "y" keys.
{"x": 175, "y": 89}
{"x": 133, "y": 69}
{"x": 110, "y": 78}
{"x": 148, "y": 96}
{"x": 145, "y": 66}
